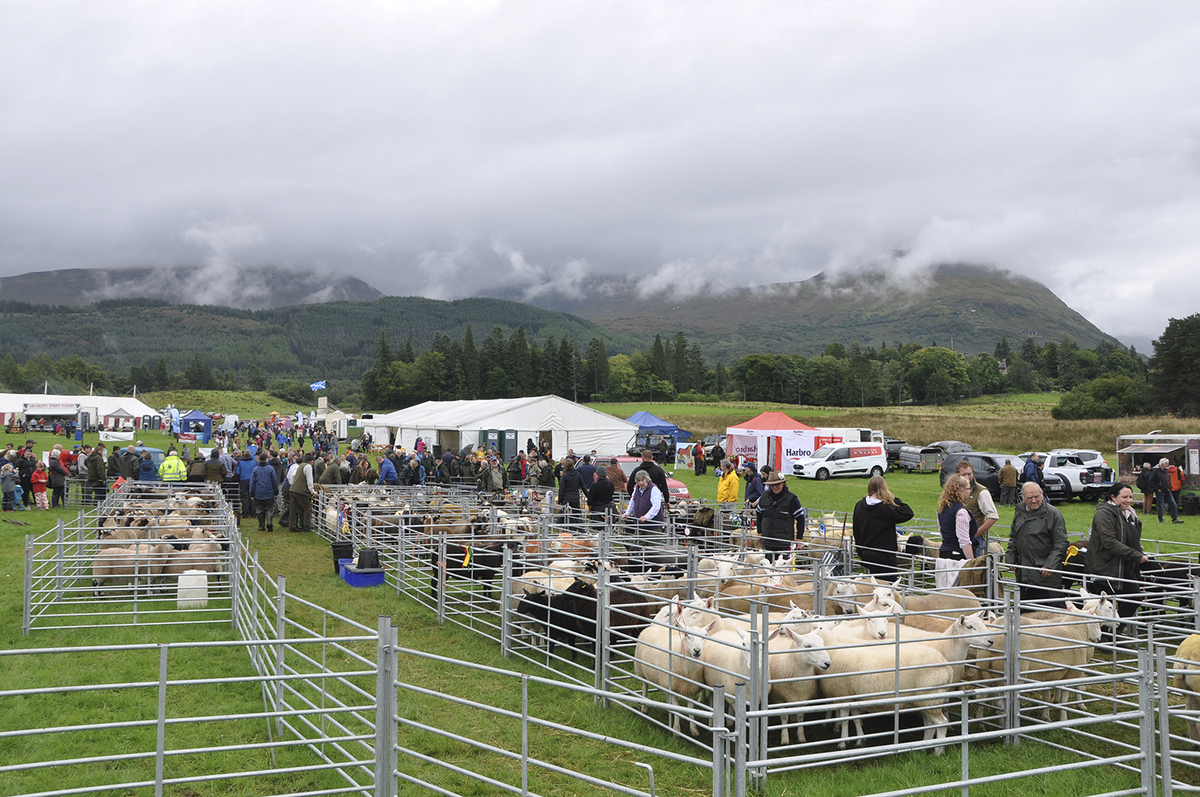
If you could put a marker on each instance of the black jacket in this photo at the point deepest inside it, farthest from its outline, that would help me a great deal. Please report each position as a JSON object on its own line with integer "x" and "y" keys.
{"x": 1115, "y": 545}
{"x": 658, "y": 477}
{"x": 780, "y": 519}
{"x": 569, "y": 487}
{"x": 601, "y": 494}
{"x": 875, "y": 524}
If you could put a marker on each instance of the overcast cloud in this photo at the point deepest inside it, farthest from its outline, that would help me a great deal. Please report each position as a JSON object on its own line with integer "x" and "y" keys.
{"x": 452, "y": 149}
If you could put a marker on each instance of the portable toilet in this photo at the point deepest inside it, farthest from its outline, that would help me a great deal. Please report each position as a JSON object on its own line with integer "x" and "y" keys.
{"x": 508, "y": 449}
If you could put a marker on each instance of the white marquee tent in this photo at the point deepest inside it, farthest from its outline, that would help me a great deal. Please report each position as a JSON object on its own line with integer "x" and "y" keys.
{"x": 48, "y": 405}
{"x": 455, "y": 424}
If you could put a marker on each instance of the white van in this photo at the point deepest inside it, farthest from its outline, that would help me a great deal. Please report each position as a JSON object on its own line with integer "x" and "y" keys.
{"x": 842, "y": 460}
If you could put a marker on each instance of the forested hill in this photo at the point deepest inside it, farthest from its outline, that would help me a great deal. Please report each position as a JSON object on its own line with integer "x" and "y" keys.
{"x": 306, "y": 342}
{"x": 967, "y": 306}
{"x": 246, "y": 289}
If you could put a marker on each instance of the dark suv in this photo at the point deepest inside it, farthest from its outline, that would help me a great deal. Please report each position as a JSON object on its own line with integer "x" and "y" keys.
{"x": 987, "y": 472}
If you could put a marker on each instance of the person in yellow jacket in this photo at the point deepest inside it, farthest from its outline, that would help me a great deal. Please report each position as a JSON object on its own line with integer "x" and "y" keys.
{"x": 172, "y": 469}
{"x": 727, "y": 488}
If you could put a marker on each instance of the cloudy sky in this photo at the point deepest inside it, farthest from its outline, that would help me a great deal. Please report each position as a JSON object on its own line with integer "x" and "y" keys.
{"x": 457, "y": 148}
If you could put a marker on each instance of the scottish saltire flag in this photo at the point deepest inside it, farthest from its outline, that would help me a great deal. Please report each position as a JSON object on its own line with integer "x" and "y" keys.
{"x": 318, "y": 385}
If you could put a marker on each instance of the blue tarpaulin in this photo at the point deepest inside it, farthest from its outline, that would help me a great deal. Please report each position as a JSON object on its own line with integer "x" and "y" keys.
{"x": 649, "y": 422}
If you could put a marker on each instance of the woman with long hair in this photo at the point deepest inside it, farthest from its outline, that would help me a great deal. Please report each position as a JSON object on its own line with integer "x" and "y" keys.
{"x": 957, "y": 525}
{"x": 875, "y": 520}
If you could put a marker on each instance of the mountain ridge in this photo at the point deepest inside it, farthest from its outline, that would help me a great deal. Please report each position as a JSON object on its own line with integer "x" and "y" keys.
{"x": 968, "y": 305}
{"x": 243, "y": 289}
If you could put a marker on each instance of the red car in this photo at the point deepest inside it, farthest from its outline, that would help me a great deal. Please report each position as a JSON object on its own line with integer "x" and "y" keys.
{"x": 678, "y": 490}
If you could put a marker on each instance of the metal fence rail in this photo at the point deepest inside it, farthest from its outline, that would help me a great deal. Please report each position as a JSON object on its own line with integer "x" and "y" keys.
{"x": 77, "y": 577}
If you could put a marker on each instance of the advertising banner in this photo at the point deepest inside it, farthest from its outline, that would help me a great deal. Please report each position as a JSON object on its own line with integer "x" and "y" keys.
{"x": 184, "y": 437}
{"x": 742, "y": 445}
{"x": 33, "y": 409}
{"x": 683, "y": 456}
{"x": 110, "y": 436}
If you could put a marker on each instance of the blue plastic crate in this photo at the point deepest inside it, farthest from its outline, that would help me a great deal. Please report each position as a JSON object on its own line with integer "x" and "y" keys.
{"x": 358, "y": 578}
{"x": 342, "y": 565}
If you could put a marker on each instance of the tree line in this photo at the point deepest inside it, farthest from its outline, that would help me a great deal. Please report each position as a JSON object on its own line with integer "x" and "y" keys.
{"x": 1105, "y": 381}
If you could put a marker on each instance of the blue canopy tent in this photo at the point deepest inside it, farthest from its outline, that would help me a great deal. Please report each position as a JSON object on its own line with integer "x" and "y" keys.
{"x": 197, "y": 423}
{"x": 648, "y": 422}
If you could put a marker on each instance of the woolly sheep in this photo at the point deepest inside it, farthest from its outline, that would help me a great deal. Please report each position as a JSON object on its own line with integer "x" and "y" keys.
{"x": 794, "y": 659}
{"x": 668, "y": 656}
{"x": 202, "y": 554}
{"x": 866, "y": 672}
{"x": 137, "y": 564}
{"x": 943, "y": 606}
{"x": 1189, "y": 652}
{"x": 1050, "y": 651}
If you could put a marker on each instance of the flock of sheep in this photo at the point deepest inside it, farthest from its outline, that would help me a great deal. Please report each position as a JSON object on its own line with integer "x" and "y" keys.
{"x": 150, "y": 539}
{"x": 683, "y": 647}
{"x": 947, "y": 638}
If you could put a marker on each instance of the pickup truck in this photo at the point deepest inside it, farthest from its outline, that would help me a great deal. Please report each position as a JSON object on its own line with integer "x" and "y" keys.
{"x": 1087, "y": 482}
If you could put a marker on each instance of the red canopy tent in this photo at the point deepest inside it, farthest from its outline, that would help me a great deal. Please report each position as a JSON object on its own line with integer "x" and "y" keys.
{"x": 766, "y": 426}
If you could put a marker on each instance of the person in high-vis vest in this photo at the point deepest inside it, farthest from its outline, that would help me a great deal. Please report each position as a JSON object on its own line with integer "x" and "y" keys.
{"x": 172, "y": 468}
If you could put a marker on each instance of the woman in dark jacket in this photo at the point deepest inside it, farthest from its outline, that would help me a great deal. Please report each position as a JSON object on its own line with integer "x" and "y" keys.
{"x": 1114, "y": 555}
{"x": 58, "y": 481}
{"x": 570, "y": 485}
{"x": 875, "y": 520}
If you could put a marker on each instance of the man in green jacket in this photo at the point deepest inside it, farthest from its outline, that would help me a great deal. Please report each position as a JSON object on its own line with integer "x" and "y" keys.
{"x": 1036, "y": 547}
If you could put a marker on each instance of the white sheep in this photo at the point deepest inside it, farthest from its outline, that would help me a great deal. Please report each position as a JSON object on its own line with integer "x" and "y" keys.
{"x": 943, "y": 606}
{"x": 1050, "y": 651}
{"x": 726, "y": 658}
{"x": 793, "y": 661}
{"x": 668, "y": 656}
{"x": 202, "y": 553}
{"x": 871, "y": 672}
{"x": 1189, "y": 654}
{"x": 137, "y": 564}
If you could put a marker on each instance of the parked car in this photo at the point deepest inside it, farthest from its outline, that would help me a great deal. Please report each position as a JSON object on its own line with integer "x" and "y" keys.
{"x": 987, "y": 467}
{"x": 677, "y": 489}
{"x": 653, "y": 441}
{"x": 1087, "y": 482}
{"x": 891, "y": 446}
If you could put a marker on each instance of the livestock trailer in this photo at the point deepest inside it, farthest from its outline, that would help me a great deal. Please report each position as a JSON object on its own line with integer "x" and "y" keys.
{"x": 923, "y": 459}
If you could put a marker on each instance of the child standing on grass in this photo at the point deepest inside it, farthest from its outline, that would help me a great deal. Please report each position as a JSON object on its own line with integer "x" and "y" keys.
{"x": 39, "y": 479}
{"x": 8, "y": 486}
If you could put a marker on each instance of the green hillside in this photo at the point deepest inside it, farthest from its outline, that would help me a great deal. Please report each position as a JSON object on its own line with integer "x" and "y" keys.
{"x": 311, "y": 341}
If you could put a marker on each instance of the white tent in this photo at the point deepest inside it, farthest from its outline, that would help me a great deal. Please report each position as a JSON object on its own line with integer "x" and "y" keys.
{"x": 455, "y": 424}
{"x": 49, "y": 405}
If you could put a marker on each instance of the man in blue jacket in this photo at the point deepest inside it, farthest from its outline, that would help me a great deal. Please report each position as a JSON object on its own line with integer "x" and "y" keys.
{"x": 264, "y": 486}
{"x": 387, "y": 471}
{"x": 1032, "y": 472}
